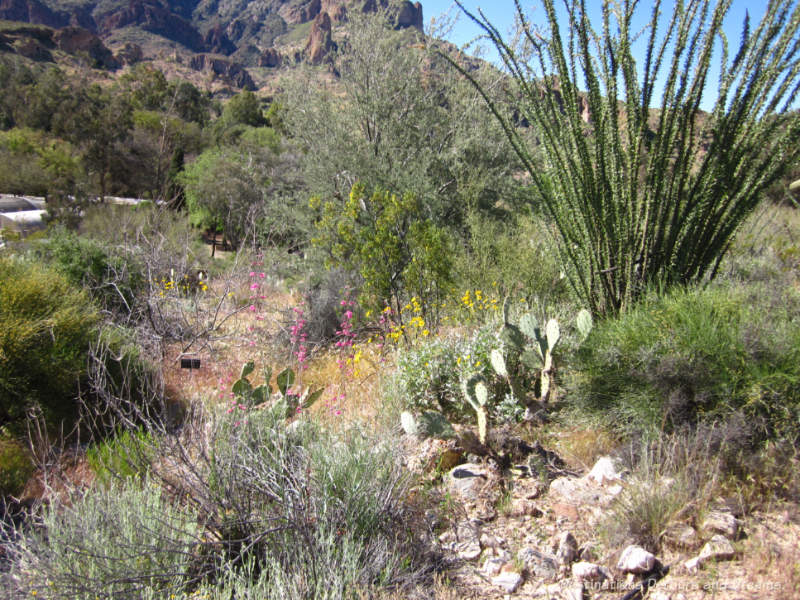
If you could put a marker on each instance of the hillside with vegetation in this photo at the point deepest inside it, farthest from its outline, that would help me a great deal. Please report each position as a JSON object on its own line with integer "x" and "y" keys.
{"x": 396, "y": 323}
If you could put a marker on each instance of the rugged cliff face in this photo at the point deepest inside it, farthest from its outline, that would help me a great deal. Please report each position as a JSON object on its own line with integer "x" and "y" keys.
{"x": 220, "y": 37}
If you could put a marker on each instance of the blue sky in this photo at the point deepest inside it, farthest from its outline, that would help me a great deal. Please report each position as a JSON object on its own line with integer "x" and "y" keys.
{"x": 501, "y": 14}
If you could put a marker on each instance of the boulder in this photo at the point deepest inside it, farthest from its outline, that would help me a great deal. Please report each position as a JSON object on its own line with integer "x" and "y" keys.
{"x": 637, "y": 560}
{"x": 539, "y": 564}
{"x": 586, "y": 571}
{"x": 722, "y": 522}
{"x": 567, "y": 548}
{"x": 508, "y": 580}
{"x": 467, "y": 480}
{"x": 604, "y": 471}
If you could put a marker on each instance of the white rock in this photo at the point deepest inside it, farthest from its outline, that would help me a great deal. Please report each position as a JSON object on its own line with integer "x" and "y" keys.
{"x": 493, "y": 565}
{"x": 586, "y": 571}
{"x": 573, "y": 591}
{"x": 566, "y": 487}
{"x": 467, "y": 479}
{"x": 635, "y": 559}
{"x": 604, "y": 471}
{"x": 509, "y": 581}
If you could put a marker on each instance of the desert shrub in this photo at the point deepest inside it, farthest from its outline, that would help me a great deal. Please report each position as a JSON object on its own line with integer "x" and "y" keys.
{"x": 392, "y": 243}
{"x": 502, "y": 257}
{"x": 124, "y": 540}
{"x": 671, "y": 480}
{"x": 696, "y": 356}
{"x": 429, "y": 373}
{"x": 46, "y": 326}
{"x": 16, "y": 466}
{"x": 322, "y": 514}
{"x": 113, "y": 279}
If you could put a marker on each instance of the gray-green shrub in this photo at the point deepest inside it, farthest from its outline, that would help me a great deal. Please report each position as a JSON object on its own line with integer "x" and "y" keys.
{"x": 118, "y": 541}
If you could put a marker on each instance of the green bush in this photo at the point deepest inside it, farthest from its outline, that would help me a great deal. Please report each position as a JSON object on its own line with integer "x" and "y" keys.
{"x": 521, "y": 256}
{"x": 46, "y": 326}
{"x": 697, "y": 357}
{"x": 392, "y": 243}
{"x": 113, "y": 279}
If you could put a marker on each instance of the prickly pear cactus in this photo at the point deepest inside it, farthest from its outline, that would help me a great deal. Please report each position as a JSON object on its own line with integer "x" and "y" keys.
{"x": 476, "y": 391}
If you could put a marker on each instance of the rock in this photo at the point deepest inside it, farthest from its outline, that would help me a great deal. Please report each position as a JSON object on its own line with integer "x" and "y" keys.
{"x": 130, "y": 54}
{"x": 217, "y": 41}
{"x": 301, "y": 12}
{"x": 586, "y": 571}
{"x": 467, "y": 480}
{"x": 572, "y": 591}
{"x": 233, "y": 72}
{"x": 73, "y": 40}
{"x": 567, "y": 548}
{"x": 564, "y": 510}
{"x": 566, "y": 487}
{"x": 467, "y": 546}
{"x": 490, "y": 541}
{"x": 409, "y": 15}
{"x": 270, "y": 58}
{"x": 152, "y": 16}
{"x": 320, "y": 42}
{"x": 508, "y": 580}
{"x": 722, "y": 522}
{"x": 635, "y": 559}
{"x": 493, "y": 565}
{"x": 604, "y": 471}
{"x": 682, "y": 536}
{"x": 539, "y": 564}
{"x": 717, "y": 548}
{"x": 520, "y": 507}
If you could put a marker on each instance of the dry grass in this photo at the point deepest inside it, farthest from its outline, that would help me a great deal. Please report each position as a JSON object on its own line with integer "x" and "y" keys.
{"x": 580, "y": 447}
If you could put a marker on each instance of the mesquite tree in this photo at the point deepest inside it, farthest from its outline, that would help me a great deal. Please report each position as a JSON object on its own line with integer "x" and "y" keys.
{"x": 647, "y": 190}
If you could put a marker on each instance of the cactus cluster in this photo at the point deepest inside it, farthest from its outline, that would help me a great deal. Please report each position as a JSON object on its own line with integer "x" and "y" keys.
{"x": 286, "y": 402}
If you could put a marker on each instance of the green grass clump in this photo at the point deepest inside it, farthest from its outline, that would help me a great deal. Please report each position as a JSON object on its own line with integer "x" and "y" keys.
{"x": 124, "y": 456}
{"x": 697, "y": 357}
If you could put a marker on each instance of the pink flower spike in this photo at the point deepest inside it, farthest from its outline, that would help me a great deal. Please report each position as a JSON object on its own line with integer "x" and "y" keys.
{"x": 338, "y": 412}
{"x": 253, "y": 286}
{"x": 230, "y": 410}
{"x": 348, "y": 314}
{"x": 262, "y": 275}
{"x": 236, "y": 424}
{"x": 343, "y": 303}
{"x": 253, "y": 307}
{"x": 252, "y": 273}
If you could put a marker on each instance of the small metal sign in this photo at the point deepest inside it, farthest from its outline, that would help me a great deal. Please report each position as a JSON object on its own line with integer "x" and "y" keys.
{"x": 190, "y": 363}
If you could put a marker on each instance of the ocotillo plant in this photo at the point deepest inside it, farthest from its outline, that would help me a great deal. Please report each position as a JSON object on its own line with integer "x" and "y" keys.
{"x": 644, "y": 187}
